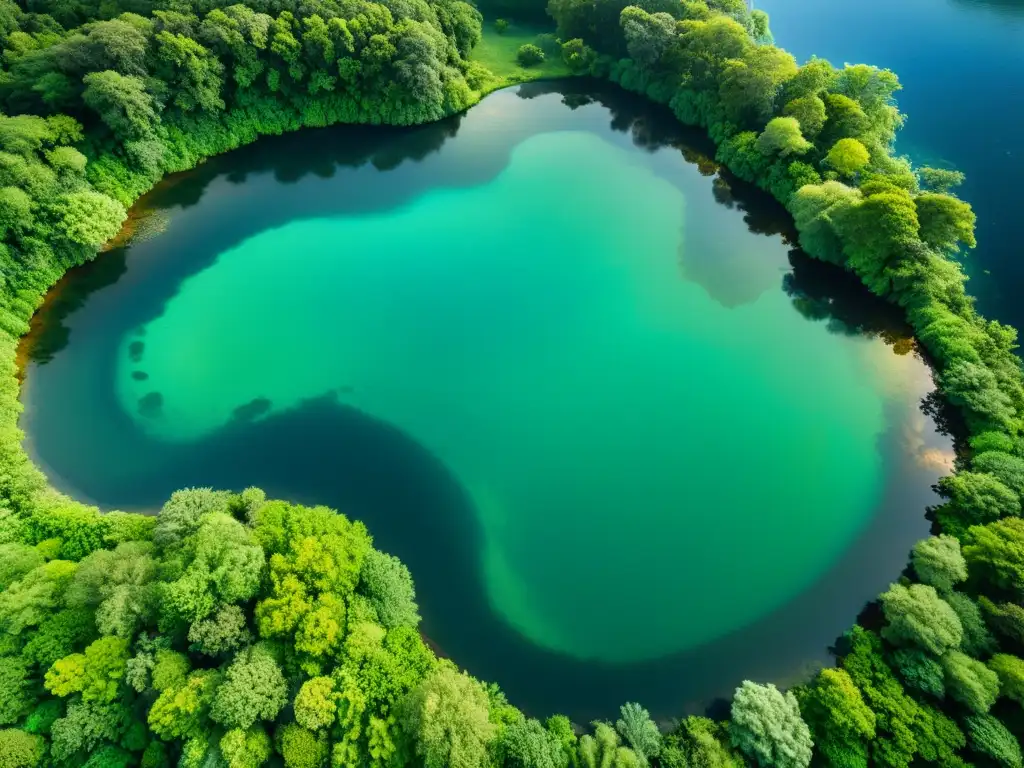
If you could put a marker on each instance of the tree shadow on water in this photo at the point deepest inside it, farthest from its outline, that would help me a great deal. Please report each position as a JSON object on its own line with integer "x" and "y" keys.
{"x": 319, "y": 152}
{"x": 48, "y": 332}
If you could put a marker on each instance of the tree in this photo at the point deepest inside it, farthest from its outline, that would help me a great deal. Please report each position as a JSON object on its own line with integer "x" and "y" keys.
{"x": 41, "y": 719}
{"x": 809, "y": 111}
{"x": 766, "y": 725}
{"x": 975, "y": 388}
{"x": 220, "y": 563}
{"x": 20, "y": 750}
{"x": 841, "y": 723}
{"x": 181, "y": 515}
{"x": 254, "y": 689}
{"x": 182, "y": 712}
{"x": 813, "y": 78}
{"x": 879, "y": 233}
{"x": 195, "y": 74}
{"x": 246, "y": 504}
{"x": 86, "y": 726}
{"x": 28, "y": 134}
{"x": 848, "y": 156}
{"x": 846, "y": 119}
{"x": 577, "y": 56}
{"x": 67, "y": 161}
{"x": 16, "y": 216}
{"x": 1008, "y": 469}
{"x": 816, "y": 209}
{"x": 96, "y": 673}
{"x": 749, "y": 86}
{"x": 301, "y": 748}
{"x": 639, "y": 731}
{"x": 526, "y": 744}
{"x": 529, "y": 54}
{"x": 996, "y": 553}
{"x": 921, "y": 671}
{"x": 991, "y": 440}
{"x": 938, "y": 737}
{"x": 873, "y": 89}
{"x": 59, "y": 635}
{"x": 109, "y": 756}
{"x": 447, "y": 716}
{"x": 782, "y": 137}
{"x": 939, "y": 180}
{"x": 316, "y": 560}
{"x": 169, "y": 670}
{"x": 975, "y": 498}
{"x": 316, "y": 704}
{"x": 501, "y": 26}
{"x": 970, "y": 682}
{"x": 222, "y": 632}
{"x": 118, "y": 586}
{"x": 32, "y": 599}
{"x": 917, "y": 615}
{"x": 1010, "y": 670}
{"x": 946, "y": 221}
{"x": 938, "y": 562}
{"x": 562, "y": 732}
{"x": 700, "y": 743}
{"x": 759, "y": 27}
{"x": 1006, "y": 620}
{"x": 602, "y": 750}
{"x": 978, "y": 641}
{"x": 386, "y": 581}
{"x": 17, "y": 689}
{"x": 991, "y": 738}
{"x": 122, "y": 103}
{"x": 905, "y": 728}
{"x": 245, "y": 749}
{"x": 649, "y": 36}
{"x": 88, "y": 218}
{"x": 16, "y": 560}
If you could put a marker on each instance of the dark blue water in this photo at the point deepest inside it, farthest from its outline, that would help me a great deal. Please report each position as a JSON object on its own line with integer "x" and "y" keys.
{"x": 961, "y": 63}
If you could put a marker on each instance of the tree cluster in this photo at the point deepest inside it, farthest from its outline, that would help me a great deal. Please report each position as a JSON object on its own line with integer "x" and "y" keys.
{"x": 232, "y": 632}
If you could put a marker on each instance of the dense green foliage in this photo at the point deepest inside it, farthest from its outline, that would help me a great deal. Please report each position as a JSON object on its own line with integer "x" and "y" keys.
{"x": 235, "y": 631}
{"x": 230, "y": 629}
{"x": 529, "y": 54}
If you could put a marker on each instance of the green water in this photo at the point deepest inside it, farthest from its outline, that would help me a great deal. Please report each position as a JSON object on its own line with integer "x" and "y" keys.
{"x": 651, "y": 466}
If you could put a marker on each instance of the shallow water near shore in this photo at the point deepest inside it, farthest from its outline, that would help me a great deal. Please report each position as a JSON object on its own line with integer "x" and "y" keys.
{"x": 631, "y": 445}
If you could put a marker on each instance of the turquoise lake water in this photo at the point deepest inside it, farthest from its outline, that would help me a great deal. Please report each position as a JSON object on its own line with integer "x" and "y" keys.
{"x": 575, "y": 379}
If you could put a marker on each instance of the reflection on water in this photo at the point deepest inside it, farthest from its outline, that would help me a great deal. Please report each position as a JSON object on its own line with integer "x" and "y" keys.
{"x": 326, "y": 451}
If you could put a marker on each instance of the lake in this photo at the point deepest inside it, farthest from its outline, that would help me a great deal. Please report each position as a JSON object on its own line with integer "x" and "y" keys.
{"x": 961, "y": 63}
{"x": 630, "y": 443}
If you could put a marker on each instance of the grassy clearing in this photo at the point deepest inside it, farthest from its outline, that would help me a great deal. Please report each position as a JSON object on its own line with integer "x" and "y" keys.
{"x": 497, "y": 52}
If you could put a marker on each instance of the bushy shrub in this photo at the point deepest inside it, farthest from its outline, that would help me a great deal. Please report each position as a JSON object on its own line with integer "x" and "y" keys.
{"x": 529, "y": 55}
